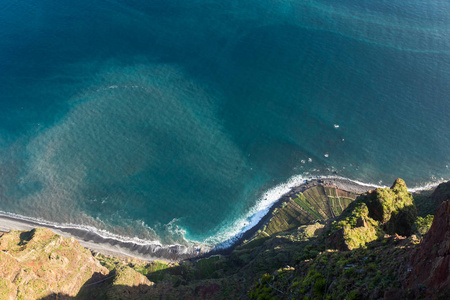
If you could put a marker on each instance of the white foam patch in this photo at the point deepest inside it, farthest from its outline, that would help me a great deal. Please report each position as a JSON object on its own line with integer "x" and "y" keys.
{"x": 230, "y": 235}
{"x": 422, "y": 187}
{"x": 352, "y": 181}
{"x": 427, "y": 186}
{"x": 100, "y": 232}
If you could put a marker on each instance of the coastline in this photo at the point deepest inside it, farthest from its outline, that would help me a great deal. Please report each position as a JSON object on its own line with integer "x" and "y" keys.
{"x": 146, "y": 251}
{"x": 150, "y": 251}
{"x": 338, "y": 182}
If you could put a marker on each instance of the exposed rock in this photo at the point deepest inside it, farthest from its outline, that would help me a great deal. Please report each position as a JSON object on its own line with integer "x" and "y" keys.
{"x": 431, "y": 263}
{"x": 37, "y": 263}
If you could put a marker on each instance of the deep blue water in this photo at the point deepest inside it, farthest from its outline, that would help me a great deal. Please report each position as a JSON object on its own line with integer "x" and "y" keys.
{"x": 169, "y": 119}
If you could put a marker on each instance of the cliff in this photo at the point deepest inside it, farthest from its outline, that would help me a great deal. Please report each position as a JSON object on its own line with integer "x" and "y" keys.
{"x": 375, "y": 248}
{"x": 431, "y": 262}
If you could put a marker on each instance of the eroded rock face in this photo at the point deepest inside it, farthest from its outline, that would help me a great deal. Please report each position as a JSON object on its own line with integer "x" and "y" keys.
{"x": 431, "y": 263}
{"x": 37, "y": 263}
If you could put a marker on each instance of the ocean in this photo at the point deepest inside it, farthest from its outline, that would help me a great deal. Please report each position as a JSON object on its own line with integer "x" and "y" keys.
{"x": 180, "y": 122}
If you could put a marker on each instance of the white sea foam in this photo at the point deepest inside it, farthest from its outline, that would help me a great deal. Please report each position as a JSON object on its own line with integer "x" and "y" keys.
{"x": 427, "y": 186}
{"x": 62, "y": 226}
{"x": 272, "y": 195}
{"x": 228, "y": 236}
{"x": 352, "y": 181}
{"x": 128, "y": 242}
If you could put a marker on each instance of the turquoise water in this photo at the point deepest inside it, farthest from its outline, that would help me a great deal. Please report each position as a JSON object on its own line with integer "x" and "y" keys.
{"x": 169, "y": 120}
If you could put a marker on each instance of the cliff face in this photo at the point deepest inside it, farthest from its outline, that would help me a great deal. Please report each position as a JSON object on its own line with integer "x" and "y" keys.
{"x": 36, "y": 263}
{"x": 431, "y": 263}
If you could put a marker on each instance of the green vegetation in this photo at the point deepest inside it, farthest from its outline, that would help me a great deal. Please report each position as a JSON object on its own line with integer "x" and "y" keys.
{"x": 316, "y": 203}
{"x": 374, "y": 214}
{"x": 364, "y": 273}
{"x": 423, "y": 224}
{"x": 321, "y": 244}
{"x": 425, "y": 206}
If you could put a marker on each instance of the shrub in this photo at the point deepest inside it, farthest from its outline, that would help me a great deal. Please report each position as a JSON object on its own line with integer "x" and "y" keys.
{"x": 423, "y": 224}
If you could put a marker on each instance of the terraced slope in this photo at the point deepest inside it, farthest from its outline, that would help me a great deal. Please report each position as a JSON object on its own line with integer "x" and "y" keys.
{"x": 316, "y": 203}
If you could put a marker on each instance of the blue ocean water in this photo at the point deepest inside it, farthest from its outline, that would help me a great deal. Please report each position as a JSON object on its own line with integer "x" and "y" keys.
{"x": 169, "y": 120}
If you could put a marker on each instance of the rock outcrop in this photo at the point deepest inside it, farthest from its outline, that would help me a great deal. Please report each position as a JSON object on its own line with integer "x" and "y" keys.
{"x": 373, "y": 214}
